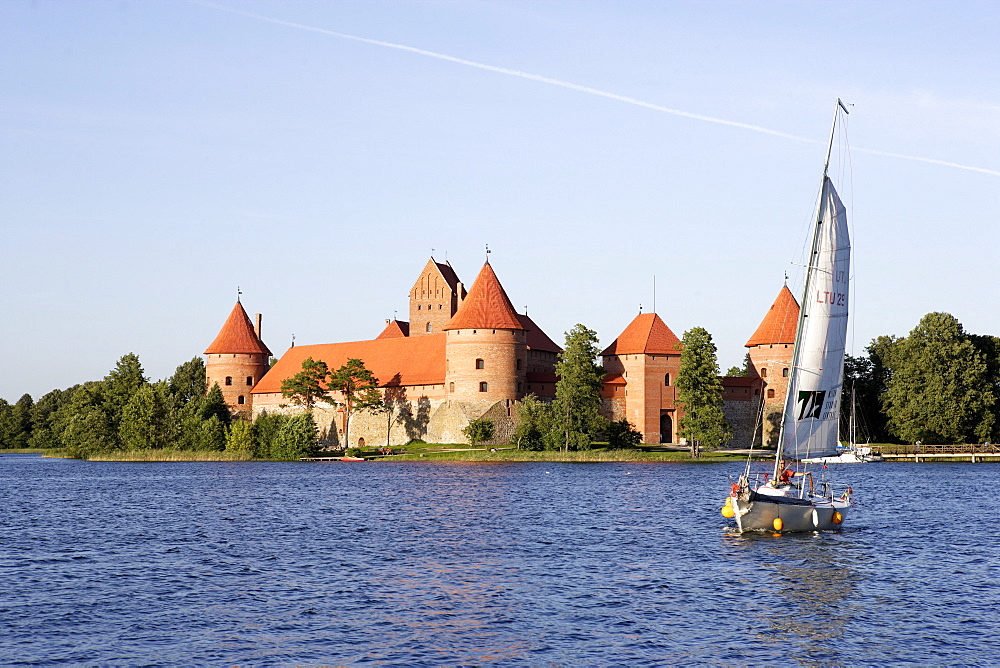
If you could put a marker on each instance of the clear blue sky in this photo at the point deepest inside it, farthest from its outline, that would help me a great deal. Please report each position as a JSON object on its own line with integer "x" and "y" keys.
{"x": 155, "y": 155}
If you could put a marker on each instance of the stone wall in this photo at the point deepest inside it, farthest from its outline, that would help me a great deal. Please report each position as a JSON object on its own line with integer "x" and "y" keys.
{"x": 742, "y": 418}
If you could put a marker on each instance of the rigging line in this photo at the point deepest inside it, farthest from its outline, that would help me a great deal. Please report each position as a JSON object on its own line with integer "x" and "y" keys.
{"x": 576, "y": 87}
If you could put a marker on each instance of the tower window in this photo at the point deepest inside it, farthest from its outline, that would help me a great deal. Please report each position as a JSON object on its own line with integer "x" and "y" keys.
{"x": 418, "y": 307}
{"x": 428, "y": 327}
{"x": 519, "y": 388}
{"x": 249, "y": 380}
{"x": 240, "y": 400}
{"x": 763, "y": 372}
{"x": 480, "y": 364}
{"x": 451, "y": 387}
{"x": 519, "y": 364}
{"x": 483, "y": 387}
{"x": 770, "y": 394}
{"x": 229, "y": 380}
{"x": 784, "y": 373}
{"x": 666, "y": 379}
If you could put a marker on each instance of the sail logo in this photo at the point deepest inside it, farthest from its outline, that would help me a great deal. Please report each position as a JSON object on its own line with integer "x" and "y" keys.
{"x": 811, "y": 403}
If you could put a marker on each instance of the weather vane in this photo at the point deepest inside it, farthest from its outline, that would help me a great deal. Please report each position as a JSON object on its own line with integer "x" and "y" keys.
{"x": 487, "y": 252}
{"x": 238, "y": 293}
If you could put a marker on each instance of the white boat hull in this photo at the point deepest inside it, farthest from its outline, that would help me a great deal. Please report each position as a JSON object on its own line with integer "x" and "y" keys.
{"x": 816, "y": 514}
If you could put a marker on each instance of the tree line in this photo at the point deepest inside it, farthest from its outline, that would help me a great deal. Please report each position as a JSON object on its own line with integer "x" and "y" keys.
{"x": 125, "y": 411}
{"x": 939, "y": 384}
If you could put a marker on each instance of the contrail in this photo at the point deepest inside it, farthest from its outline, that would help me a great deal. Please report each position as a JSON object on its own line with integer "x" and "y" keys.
{"x": 577, "y": 87}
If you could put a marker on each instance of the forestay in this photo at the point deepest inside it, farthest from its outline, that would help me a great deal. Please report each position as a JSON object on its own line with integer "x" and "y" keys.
{"x": 812, "y": 410}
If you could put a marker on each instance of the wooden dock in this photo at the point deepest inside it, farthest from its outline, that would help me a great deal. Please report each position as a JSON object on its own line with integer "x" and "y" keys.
{"x": 971, "y": 452}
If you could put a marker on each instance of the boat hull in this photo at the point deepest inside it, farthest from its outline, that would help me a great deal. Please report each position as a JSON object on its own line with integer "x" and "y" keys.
{"x": 760, "y": 515}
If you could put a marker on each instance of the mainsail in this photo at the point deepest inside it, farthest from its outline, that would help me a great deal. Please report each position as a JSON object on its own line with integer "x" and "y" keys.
{"x": 812, "y": 408}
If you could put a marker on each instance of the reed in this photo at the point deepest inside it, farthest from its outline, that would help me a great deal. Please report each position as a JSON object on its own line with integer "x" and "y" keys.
{"x": 171, "y": 455}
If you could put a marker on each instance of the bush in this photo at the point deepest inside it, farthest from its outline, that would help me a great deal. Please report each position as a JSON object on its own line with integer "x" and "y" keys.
{"x": 623, "y": 436}
{"x": 479, "y": 431}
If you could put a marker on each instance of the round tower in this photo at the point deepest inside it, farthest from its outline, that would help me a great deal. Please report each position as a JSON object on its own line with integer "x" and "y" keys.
{"x": 770, "y": 350}
{"x": 486, "y": 349}
{"x": 237, "y": 359}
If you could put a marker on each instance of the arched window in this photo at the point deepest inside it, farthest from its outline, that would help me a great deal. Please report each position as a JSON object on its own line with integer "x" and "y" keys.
{"x": 483, "y": 387}
{"x": 240, "y": 400}
{"x": 361, "y": 442}
{"x": 229, "y": 380}
{"x": 428, "y": 327}
{"x": 784, "y": 373}
{"x": 666, "y": 379}
{"x": 770, "y": 394}
{"x": 249, "y": 380}
{"x": 480, "y": 364}
{"x": 763, "y": 372}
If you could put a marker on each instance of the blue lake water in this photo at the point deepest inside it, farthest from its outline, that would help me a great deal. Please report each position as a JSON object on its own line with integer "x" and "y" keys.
{"x": 443, "y": 564}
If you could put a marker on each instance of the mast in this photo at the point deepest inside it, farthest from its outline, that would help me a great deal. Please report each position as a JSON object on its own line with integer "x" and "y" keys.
{"x": 806, "y": 288}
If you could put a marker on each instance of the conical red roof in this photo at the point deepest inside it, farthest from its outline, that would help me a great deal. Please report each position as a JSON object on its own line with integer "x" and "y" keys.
{"x": 237, "y": 335}
{"x": 486, "y": 307}
{"x": 780, "y": 323}
{"x": 646, "y": 334}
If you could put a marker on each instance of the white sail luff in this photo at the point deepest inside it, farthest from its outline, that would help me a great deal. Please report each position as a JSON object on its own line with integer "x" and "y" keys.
{"x": 811, "y": 420}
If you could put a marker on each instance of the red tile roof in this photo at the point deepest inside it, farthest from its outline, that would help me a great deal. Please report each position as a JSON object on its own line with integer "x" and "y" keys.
{"x": 395, "y": 329}
{"x": 780, "y": 323}
{"x": 447, "y": 273}
{"x": 648, "y": 334}
{"x": 614, "y": 379}
{"x": 237, "y": 335}
{"x": 418, "y": 360}
{"x": 486, "y": 307}
{"x": 535, "y": 337}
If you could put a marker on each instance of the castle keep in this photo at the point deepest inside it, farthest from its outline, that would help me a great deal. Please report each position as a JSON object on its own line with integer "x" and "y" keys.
{"x": 467, "y": 354}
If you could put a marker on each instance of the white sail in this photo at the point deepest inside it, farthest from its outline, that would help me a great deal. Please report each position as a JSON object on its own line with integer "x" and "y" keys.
{"x": 813, "y": 407}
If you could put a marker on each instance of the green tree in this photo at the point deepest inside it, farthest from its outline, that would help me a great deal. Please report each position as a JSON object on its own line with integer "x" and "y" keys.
{"x": 46, "y": 429}
{"x": 189, "y": 381}
{"x": 306, "y": 387}
{"x": 120, "y": 385}
{"x": 214, "y": 405}
{"x": 211, "y": 434}
{"x": 534, "y": 420}
{"x": 240, "y": 437}
{"x": 623, "y": 436}
{"x": 478, "y": 431}
{"x": 148, "y": 421}
{"x": 297, "y": 437}
{"x": 939, "y": 389}
{"x": 86, "y": 427}
{"x": 15, "y": 423}
{"x": 866, "y": 379}
{"x": 578, "y": 391}
{"x": 266, "y": 428}
{"x": 699, "y": 392}
{"x": 359, "y": 389}
{"x": 8, "y": 428}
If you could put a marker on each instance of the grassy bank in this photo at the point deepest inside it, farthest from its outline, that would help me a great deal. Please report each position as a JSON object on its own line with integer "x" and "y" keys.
{"x": 171, "y": 455}
{"x": 463, "y": 453}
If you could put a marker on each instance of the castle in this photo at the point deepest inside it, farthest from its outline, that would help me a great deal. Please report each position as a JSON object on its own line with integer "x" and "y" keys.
{"x": 467, "y": 354}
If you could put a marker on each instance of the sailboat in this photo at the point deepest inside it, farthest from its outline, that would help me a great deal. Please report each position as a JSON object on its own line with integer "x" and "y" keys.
{"x": 792, "y": 498}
